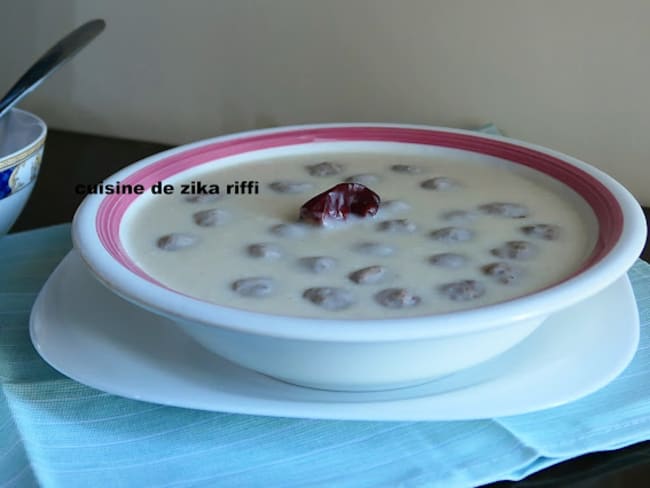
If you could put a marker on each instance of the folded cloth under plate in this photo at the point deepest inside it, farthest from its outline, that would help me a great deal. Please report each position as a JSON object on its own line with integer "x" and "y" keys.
{"x": 65, "y": 434}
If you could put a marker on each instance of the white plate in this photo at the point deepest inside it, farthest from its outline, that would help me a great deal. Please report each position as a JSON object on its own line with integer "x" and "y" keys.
{"x": 96, "y": 338}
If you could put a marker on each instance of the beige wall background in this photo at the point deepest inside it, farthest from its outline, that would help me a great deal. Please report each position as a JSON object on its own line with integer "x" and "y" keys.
{"x": 573, "y": 75}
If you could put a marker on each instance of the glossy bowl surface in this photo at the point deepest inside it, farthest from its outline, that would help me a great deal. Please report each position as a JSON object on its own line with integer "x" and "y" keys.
{"x": 362, "y": 354}
{"x": 22, "y": 140}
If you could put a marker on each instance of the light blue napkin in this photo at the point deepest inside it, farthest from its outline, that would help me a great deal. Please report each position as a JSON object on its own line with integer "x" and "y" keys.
{"x": 65, "y": 434}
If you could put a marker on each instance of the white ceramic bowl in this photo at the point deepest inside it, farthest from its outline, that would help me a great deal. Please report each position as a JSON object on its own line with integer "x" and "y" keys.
{"x": 22, "y": 139}
{"x": 362, "y": 354}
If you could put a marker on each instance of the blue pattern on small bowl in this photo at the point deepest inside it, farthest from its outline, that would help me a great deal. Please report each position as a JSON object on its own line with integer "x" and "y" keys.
{"x": 22, "y": 139}
{"x": 5, "y": 189}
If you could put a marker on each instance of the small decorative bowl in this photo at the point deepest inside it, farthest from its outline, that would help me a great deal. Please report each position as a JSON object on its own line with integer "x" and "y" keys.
{"x": 22, "y": 139}
{"x": 358, "y": 355}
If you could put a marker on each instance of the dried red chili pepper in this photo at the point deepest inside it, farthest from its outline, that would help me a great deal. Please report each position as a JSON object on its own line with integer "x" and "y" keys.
{"x": 340, "y": 201}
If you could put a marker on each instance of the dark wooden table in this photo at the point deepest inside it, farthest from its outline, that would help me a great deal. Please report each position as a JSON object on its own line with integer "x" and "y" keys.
{"x": 72, "y": 158}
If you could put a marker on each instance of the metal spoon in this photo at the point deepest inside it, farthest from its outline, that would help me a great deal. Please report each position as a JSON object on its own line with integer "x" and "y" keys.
{"x": 49, "y": 62}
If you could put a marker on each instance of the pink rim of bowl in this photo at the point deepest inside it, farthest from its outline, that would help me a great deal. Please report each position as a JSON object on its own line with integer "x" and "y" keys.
{"x": 621, "y": 233}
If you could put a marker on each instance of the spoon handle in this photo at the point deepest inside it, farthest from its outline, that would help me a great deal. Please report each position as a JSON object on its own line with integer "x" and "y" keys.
{"x": 49, "y": 62}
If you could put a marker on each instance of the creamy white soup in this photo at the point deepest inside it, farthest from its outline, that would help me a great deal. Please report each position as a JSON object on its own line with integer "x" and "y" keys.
{"x": 453, "y": 231}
